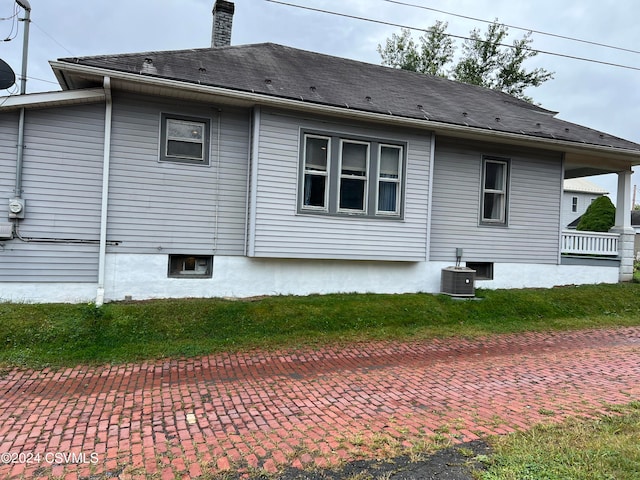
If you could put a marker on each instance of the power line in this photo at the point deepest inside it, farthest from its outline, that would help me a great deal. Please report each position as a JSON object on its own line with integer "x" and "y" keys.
{"x": 56, "y": 41}
{"x": 539, "y": 32}
{"x": 41, "y": 80}
{"x": 15, "y": 14}
{"x": 14, "y": 23}
{"x": 382, "y": 22}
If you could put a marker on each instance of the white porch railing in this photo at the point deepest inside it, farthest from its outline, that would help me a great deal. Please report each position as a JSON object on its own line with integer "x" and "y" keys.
{"x": 589, "y": 243}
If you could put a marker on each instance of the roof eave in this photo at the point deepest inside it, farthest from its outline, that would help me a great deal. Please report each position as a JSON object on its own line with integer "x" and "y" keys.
{"x": 52, "y": 99}
{"x": 66, "y": 71}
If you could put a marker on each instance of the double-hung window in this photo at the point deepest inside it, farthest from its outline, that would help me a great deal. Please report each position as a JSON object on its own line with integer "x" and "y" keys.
{"x": 389, "y": 179}
{"x": 354, "y": 165}
{"x": 316, "y": 172}
{"x": 184, "y": 139}
{"x": 351, "y": 176}
{"x": 495, "y": 182}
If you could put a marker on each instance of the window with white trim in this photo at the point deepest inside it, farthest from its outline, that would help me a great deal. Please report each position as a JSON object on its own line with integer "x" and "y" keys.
{"x": 184, "y": 139}
{"x": 494, "y": 200}
{"x": 343, "y": 175}
{"x": 354, "y": 167}
{"x": 316, "y": 172}
{"x": 389, "y": 179}
{"x": 574, "y": 204}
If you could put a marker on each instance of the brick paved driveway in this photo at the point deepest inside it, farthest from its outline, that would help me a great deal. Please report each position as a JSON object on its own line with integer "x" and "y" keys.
{"x": 267, "y": 410}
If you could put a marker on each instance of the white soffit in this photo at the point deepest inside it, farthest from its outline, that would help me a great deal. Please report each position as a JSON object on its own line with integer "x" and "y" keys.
{"x": 51, "y": 99}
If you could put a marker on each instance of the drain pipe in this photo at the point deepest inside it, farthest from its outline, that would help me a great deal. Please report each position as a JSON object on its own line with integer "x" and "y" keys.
{"x": 102, "y": 249}
{"x": 17, "y": 204}
{"x": 20, "y": 156}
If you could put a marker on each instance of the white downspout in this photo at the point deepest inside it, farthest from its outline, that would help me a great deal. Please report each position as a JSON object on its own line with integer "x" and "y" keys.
{"x": 218, "y": 164}
{"x": 430, "y": 199}
{"x": 102, "y": 253}
{"x": 253, "y": 172}
{"x": 248, "y": 187}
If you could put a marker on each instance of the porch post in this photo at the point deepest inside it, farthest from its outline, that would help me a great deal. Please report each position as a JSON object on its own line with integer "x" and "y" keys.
{"x": 623, "y": 226}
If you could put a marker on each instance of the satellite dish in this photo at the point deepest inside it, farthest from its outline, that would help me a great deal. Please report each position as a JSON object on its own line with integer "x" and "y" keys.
{"x": 7, "y": 77}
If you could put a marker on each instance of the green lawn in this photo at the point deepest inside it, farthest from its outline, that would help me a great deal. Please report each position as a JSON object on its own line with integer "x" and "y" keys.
{"x": 34, "y": 335}
{"x": 606, "y": 448}
{"x": 59, "y": 334}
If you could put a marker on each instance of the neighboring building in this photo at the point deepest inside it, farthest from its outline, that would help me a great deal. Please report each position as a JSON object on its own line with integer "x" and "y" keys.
{"x": 635, "y": 223}
{"x": 262, "y": 169}
{"x": 578, "y": 195}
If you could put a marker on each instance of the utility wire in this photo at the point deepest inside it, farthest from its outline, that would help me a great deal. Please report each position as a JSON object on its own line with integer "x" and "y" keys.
{"x": 15, "y": 14}
{"x": 564, "y": 37}
{"x": 41, "y": 80}
{"x": 14, "y": 24}
{"x": 56, "y": 41}
{"x": 382, "y": 22}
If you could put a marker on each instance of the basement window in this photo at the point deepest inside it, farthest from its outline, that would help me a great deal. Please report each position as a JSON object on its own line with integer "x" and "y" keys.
{"x": 484, "y": 270}
{"x": 190, "y": 266}
{"x": 184, "y": 139}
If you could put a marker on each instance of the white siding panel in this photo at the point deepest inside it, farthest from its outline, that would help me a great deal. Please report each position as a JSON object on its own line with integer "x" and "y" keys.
{"x": 281, "y": 232}
{"x": 532, "y": 234}
{"x": 172, "y": 207}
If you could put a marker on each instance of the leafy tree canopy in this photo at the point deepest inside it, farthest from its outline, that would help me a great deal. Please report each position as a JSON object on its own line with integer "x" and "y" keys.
{"x": 485, "y": 59}
{"x": 599, "y": 217}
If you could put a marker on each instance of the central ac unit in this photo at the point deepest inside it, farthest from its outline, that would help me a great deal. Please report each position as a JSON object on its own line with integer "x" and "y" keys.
{"x": 458, "y": 281}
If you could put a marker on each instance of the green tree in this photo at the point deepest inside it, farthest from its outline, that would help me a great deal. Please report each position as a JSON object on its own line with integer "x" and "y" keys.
{"x": 599, "y": 217}
{"x": 485, "y": 59}
{"x": 431, "y": 56}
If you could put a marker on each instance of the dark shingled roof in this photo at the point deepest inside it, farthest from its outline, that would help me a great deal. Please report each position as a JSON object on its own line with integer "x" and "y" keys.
{"x": 280, "y": 71}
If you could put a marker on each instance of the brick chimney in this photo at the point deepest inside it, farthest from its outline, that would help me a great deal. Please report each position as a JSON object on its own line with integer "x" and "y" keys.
{"x": 222, "y": 23}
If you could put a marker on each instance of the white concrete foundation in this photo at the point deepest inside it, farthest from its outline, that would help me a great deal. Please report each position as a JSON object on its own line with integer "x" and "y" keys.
{"x": 145, "y": 276}
{"x": 48, "y": 292}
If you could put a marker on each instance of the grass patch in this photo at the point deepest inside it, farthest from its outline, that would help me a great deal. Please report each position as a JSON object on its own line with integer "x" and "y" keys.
{"x": 36, "y": 335}
{"x": 602, "y": 449}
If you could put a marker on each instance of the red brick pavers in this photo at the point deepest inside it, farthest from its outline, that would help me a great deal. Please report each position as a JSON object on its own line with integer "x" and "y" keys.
{"x": 265, "y": 410}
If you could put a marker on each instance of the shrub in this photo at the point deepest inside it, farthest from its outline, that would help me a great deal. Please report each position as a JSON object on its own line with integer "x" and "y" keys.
{"x": 599, "y": 217}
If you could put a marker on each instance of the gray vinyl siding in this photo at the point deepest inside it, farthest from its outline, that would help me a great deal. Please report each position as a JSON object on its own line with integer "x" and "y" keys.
{"x": 535, "y": 192}
{"x": 171, "y": 207}
{"x": 8, "y": 141}
{"x": 54, "y": 263}
{"x": 282, "y": 232}
{"x": 62, "y": 180}
{"x": 153, "y": 206}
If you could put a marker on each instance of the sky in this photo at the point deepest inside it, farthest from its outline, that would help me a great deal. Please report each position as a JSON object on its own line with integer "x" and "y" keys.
{"x": 595, "y": 95}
